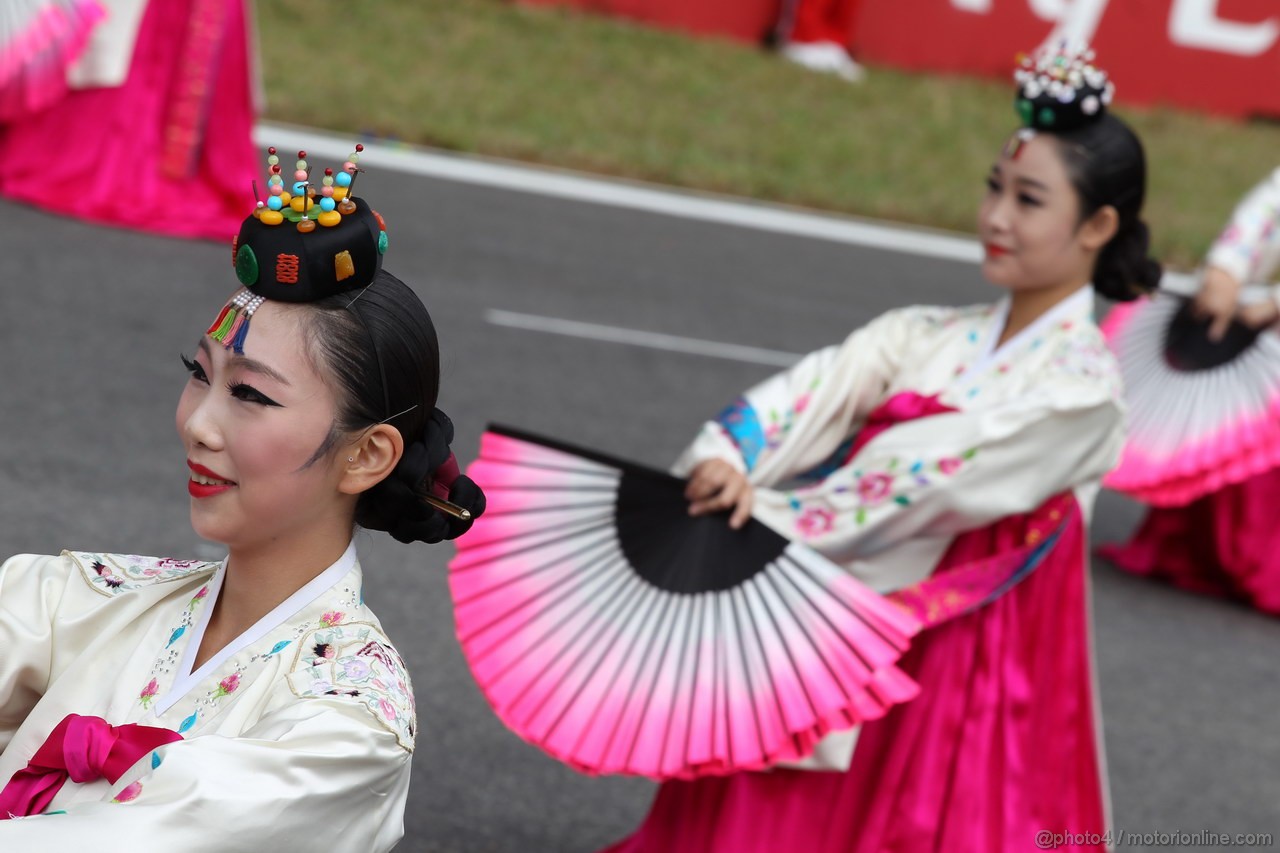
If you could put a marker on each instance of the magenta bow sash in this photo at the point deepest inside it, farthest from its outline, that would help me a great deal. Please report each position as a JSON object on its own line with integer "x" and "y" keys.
{"x": 82, "y": 749}
{"x": 898, "y": 409}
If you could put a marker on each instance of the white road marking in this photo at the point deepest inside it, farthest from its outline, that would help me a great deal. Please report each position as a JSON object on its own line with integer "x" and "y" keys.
{"x": 633, "y": 337}
{"x": 631, "y": 195}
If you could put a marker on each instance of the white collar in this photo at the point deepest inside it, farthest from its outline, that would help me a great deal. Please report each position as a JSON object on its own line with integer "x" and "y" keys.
{"x": 1078, "y": 304}
{"x": 316, "y": 587}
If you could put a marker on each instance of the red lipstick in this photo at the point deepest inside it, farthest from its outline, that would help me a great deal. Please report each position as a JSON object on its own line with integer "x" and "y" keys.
{"x": 994, "y": 251}
{"x": 205, "y": 490}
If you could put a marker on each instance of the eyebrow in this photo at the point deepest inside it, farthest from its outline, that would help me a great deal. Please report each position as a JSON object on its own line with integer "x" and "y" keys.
{"x": 1028, "y": 182}
{"x": 250, "y": 364}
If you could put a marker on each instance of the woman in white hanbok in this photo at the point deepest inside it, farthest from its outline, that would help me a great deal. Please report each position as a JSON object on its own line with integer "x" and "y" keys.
{"x": 1213, "y": 532}
{"x": 949, "y": 458}
{"x": 255, "y": 703}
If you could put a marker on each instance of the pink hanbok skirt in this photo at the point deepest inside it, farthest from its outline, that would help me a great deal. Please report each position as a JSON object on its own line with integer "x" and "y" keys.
{"x": 1226, "y": 543}
{"x": 1003, "y": 742}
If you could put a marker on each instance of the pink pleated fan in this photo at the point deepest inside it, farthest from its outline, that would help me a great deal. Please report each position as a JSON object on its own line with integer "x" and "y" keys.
{"x": 1201, "y": 414}
{"x": 620, "y": 635}
{"x": 39, "y": 40}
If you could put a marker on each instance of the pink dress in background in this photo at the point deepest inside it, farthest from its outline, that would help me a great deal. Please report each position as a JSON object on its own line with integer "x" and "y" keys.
{"x": 170, "y": 151}
{"x": 1224, "y": 542}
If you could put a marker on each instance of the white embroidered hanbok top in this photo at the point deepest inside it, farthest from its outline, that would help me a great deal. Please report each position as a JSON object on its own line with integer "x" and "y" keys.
{"x": 1035, "y": 417}
{"x": 1249, "y": 247}
{"x": 298, "y": 734}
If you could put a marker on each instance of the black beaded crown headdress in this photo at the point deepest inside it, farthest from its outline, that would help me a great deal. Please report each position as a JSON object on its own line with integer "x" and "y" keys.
{"x": 1060, "y": 88}
{"x": 301, "y": 244}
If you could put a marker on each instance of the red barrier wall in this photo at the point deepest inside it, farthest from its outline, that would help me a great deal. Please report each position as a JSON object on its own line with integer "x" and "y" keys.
{"x": 1221, "y": 56}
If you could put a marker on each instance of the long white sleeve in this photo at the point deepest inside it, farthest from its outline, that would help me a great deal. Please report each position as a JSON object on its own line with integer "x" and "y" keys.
{"x": 941, "y": 475}
{"x": 1249, "y": 247}
{"x": 797, "y": 418}
{"x": 31, "y": 590}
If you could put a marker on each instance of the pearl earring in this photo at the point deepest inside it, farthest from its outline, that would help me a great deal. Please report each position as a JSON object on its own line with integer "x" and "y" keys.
{"x": 351, "y": 459}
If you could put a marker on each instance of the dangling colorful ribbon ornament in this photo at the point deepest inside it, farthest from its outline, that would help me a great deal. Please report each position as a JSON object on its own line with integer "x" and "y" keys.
{"x": 232, "y": 326}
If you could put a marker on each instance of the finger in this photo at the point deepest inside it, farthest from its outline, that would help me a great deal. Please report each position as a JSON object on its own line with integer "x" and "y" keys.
{"x": 742, "y": 512}
{"x": 726, "y": 498}
{"x": 709, "y": 505}
{"x": 703, "y": 483}
{"x": 697, "y": 489}
{"x": 1218, "y": 327}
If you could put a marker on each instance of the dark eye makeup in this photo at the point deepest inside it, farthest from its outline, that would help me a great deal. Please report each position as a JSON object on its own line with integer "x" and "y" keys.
{"x": 249, "y": 394}
{"x": 194, "y": 368}
{"x": 238, "y": 390}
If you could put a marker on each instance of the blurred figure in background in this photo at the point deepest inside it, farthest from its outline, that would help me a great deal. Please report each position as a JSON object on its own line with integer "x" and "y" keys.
{"x": 815, "y": 34}
{"x": 1220, "y": 538}
{"x": 156, "y": 132}
{"x": 39, "y": 40}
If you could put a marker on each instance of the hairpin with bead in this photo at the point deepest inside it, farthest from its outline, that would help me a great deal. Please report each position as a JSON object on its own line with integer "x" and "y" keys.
{"x": 1060, "y": 88}
{"x": 277, "y": 198}
{"x": 346, "y": 181}
{"x": 301, "y": 202}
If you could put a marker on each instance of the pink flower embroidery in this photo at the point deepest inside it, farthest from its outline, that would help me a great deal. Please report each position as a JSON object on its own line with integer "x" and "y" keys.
{"x": 815, "y": 521}
{"x": 229, "y": 684}
{"x": 149, "y": 692}
{"x": 204, "y": 590}
{"x": 949, "y": 465}
{"x": 874, "y": 488}
{"x": 333, "y": 617}
{"x": 803, "y": 402}
{"x": 388, "y": 710}
{"x": 128, "y": 793}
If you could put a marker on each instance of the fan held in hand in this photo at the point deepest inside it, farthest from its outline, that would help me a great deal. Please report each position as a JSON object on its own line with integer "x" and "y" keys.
{"x": 608, "y": 627}
{"x": 1202, "y": 414}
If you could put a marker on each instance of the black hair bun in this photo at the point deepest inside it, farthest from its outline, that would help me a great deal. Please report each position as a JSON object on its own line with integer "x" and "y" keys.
{"x": 428, "y": 467}
{"x": 1124, "y": 270}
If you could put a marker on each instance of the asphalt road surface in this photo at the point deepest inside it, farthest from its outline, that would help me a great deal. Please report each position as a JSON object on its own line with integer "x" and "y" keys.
{"x": 94, "y": 320}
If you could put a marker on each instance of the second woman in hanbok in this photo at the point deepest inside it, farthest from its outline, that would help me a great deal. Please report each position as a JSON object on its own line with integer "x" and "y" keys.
{"x": 949, "y": 458}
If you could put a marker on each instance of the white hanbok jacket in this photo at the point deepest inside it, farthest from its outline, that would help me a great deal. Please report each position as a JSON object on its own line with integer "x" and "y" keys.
{"x": 297, "y": 735}
{"x": 1035, "y": 417}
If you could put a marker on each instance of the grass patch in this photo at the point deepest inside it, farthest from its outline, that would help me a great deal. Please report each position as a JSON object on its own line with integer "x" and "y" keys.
{"x": 563, "y": 88}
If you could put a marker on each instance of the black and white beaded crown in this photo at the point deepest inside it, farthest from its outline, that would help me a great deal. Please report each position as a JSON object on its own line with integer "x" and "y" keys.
{"x": 1060, "y": 88}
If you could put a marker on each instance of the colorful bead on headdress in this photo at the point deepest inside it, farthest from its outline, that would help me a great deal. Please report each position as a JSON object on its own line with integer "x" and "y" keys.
{"x": 302, "y": 244}
{"x": 1060, "y": 88}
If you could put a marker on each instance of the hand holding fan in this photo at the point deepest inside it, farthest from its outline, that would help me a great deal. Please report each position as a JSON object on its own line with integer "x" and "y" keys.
{"x": 619, "y": 634}
{"x": 1202, "y": 414}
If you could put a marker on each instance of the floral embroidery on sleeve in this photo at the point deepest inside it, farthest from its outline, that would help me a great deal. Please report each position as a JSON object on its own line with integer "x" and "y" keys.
{"x": 892, "y": 482}
{"x": 752, "y": 435}
{"x": 355, "y": 660}
{"x": 110, "y": 574}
